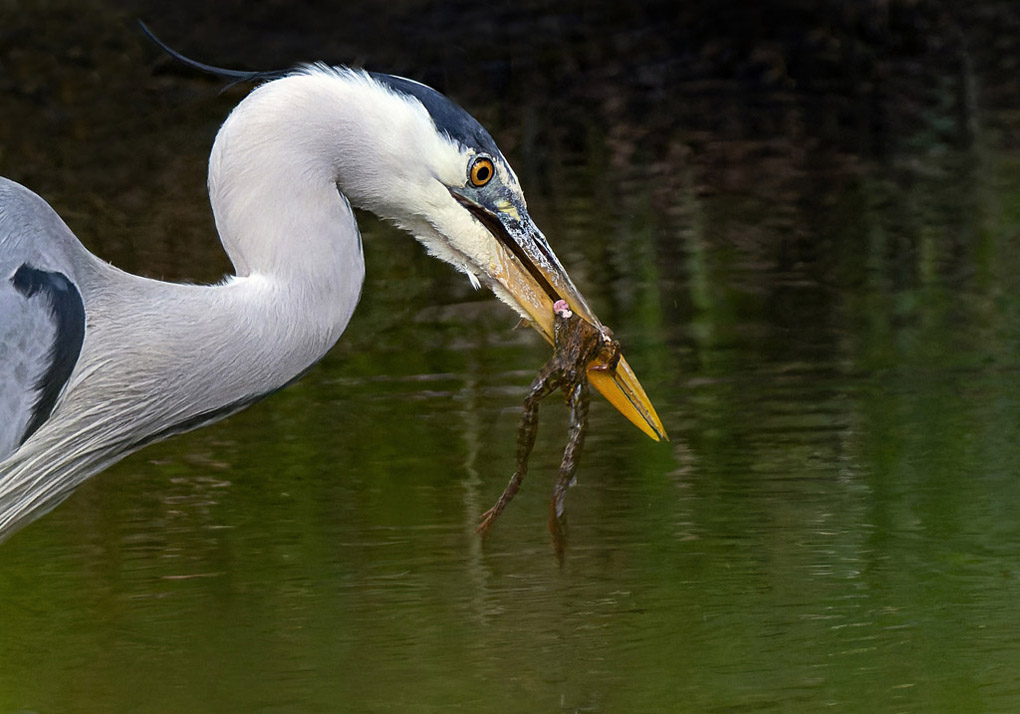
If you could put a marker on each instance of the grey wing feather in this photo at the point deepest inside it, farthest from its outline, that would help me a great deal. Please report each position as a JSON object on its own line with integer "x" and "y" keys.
{"x": 27, "y": 334}
{"x": 42, "y": 315}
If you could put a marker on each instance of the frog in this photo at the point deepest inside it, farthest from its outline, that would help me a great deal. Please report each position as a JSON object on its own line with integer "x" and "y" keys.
{"x": 578, "y": 346}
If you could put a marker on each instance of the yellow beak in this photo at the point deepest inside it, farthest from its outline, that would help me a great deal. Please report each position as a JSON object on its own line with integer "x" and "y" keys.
{"x": 531, "y": 275}
{"x": 620, "y": 387}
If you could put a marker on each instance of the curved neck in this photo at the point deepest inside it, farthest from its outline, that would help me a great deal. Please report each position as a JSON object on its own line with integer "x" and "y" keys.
{"x": 279, "y": 213}
{"x": 273, "y": 191}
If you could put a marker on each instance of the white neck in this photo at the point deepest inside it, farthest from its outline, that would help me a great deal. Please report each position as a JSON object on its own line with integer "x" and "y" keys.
{"x": 279, "y": 159}
{"x": 278, "y": 211}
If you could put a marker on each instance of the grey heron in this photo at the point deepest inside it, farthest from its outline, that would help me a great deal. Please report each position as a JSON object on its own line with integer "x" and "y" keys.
{"x": 95, "y": 362}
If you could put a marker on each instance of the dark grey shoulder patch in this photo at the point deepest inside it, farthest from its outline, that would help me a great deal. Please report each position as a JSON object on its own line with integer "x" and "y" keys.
{"x": 448, "y": 117}
{"x": 68, "y": 313}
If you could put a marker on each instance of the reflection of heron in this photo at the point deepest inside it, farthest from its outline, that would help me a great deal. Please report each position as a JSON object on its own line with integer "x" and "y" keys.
{"x": 95, "y": 362}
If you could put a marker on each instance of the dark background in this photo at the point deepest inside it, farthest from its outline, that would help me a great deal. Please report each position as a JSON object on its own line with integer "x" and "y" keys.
{"x": 775, "y": 122}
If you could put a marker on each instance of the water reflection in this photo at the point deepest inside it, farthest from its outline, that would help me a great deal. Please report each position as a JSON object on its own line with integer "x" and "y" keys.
{"x": 817, "y": 285}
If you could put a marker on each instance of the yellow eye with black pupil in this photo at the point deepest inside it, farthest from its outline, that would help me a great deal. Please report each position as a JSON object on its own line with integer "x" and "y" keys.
{"x": 482, "y": 171}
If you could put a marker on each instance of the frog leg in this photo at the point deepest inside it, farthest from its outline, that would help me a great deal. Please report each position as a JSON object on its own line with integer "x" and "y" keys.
{"x": 577, "y": 399}
{"x": 547, "y": 381}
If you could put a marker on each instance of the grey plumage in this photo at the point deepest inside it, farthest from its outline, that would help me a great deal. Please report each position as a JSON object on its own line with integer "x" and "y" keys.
{"x": 148, "y": 368}
{"x": 43, "y": 318}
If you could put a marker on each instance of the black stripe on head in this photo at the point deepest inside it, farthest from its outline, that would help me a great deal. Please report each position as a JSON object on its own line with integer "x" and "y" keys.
{"x": 449, "y": 118}
{"x": 68, "y": 313}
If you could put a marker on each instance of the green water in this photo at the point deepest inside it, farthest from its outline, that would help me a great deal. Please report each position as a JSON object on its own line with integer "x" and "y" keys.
{"x": 819, "y": 294}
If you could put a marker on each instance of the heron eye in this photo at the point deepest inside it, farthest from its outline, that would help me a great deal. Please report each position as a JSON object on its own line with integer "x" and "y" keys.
{"x": 482, "y": 171}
